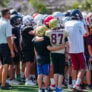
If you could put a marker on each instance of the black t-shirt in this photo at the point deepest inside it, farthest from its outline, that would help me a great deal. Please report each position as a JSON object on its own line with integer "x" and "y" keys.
{"x": 16, "y": 32}
{"x": 43, "y": 55}
{"x": 86, "y": 45}
{"x": 89, "y": 41}
{"x": 27, "y": 38}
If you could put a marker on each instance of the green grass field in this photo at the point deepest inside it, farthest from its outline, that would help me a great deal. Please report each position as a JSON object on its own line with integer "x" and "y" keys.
{"x": 23, "y": 88}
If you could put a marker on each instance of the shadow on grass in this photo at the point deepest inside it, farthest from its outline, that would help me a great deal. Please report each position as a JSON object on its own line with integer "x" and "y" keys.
{"x": 25, "y": 88}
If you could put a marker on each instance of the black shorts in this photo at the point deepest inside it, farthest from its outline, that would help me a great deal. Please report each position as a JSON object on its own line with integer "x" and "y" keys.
{"x": 28, "y": 56}
{"x": 58, "y": 60}
{"x": 5, "y": 54}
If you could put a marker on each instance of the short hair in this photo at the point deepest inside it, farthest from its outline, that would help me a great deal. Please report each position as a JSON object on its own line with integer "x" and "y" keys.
{"x": 4, "y": 11}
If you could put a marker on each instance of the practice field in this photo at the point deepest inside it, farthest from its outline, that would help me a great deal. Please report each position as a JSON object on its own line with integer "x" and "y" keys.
{"x": 23, "y": 88}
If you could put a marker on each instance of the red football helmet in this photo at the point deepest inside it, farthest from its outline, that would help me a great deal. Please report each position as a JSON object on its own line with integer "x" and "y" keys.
{"x": 47, "y": 19}
{"x": 34, "y": 15}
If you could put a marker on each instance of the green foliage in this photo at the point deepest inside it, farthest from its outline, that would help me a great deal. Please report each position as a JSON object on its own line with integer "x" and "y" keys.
{"x": 85, "y": 5}
{"x": 39, "y": 6}
{"x": 3, "y": 2}
{"x": 75, "y": 5}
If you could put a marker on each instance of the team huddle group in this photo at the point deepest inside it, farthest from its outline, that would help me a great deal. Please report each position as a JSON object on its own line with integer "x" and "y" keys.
{"x": 53, "y": 49}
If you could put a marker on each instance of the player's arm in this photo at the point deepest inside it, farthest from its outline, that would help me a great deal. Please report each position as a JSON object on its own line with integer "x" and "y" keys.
{"x": 13, "y": 42}
{"x": 90, "y": 52}
{"x": 50, "y": 48}
{"x": 9, "y": 40}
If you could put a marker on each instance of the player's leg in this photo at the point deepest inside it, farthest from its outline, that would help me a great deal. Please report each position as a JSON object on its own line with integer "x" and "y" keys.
{"x": 46, "y": 71}
{"x": 39, "y": 77}
{"x": 80, "y": 58}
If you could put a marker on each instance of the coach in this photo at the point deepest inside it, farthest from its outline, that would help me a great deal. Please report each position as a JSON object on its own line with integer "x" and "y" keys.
{"x": 6, "y": 48}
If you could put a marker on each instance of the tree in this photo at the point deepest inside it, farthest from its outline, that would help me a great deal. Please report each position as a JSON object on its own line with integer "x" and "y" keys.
{"x": 3, "y": 2}
{"x": 40, "y": 7}
{"x": 75, "y": 5}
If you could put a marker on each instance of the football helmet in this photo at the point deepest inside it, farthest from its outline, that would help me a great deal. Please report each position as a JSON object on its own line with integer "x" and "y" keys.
{"x": 53, "y": 23}
{"x": 67, "y": 14}
{"x": 47, "y": 19}
{"x": 89, "y": 19}
{"x": 65, "y": 19}
{"x": 13, "y": 12}
{"x": 44, "y": 16}
{"x": 77, "y": 14}
{"x": 59, "y": 16}
{"x": 40, "y": 30}
{"x": 38, "y": 18}
{"x": 15, "y": 20}
{"x": 28, "y": 21}
{"x": 34, "y": 15}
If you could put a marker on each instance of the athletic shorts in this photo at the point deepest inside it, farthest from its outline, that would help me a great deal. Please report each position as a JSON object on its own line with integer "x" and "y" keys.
{"x": 58, "y": 60}
{"x": 43, "y": 69}
{"x": 28, "y": 56}
{"x": 5, "y": 54}
{"x": 78, "y": 61}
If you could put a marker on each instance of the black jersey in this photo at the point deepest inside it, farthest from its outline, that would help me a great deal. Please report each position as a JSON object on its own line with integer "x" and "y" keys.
{"x": 16, "y": 33}
{"x": 43, "y": 55}
{"x": 27, "y": 38}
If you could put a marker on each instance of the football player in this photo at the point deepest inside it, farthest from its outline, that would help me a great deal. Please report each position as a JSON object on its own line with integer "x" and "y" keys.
{"x": 57, "y": 36}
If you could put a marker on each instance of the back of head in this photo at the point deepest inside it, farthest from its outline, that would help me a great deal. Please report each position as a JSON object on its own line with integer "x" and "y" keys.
{"x": 4, "y": 11}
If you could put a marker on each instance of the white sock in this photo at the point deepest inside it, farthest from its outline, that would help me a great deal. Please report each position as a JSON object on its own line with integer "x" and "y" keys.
{"x": 27, "y": 79}
{"x": 52, "y": 81}
{"x": 32, "y": 75}
{"x": 78, "y": 81}
{"x": 73, "y": 82}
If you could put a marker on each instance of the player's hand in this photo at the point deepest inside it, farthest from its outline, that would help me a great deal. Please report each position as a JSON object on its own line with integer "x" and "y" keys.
{"x": 12, "y": 54}
{"x": 90, "y": 59}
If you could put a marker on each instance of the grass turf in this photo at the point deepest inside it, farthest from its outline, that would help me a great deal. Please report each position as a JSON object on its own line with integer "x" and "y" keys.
{"x": 23, "y": 88}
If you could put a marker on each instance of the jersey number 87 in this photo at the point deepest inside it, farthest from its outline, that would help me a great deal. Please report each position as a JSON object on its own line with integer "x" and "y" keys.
{"x": 56, "y": 38}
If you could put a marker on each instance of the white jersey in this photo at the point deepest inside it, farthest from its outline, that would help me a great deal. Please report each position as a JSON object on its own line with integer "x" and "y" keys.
{"x": 75, "y": 30}
{"x": 56, "y": 38}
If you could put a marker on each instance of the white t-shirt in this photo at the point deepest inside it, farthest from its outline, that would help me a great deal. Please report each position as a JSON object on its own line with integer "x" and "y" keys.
{"x": 75, "y": 30}
{"x": 5, "y": 30}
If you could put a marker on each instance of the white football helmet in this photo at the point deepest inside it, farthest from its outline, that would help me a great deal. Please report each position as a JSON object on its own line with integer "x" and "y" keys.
{"x": 28, "y": 20}
{"x": 59, "y": 16}
{"x": 38, "y": 18}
